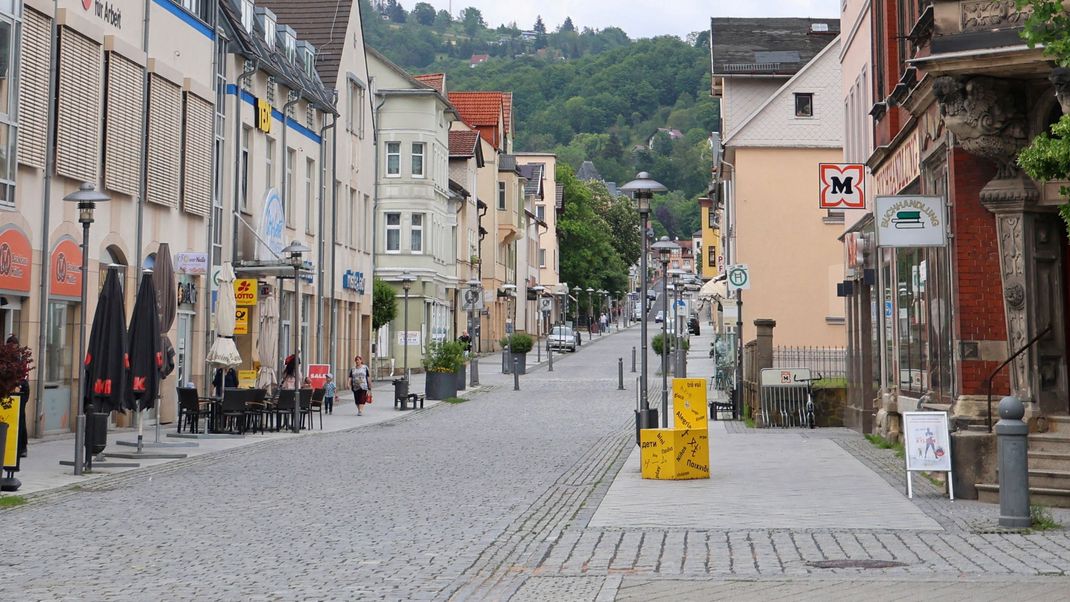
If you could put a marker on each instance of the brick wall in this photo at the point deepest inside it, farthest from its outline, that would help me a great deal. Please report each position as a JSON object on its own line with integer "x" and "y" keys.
{"x": 979, "y": 289}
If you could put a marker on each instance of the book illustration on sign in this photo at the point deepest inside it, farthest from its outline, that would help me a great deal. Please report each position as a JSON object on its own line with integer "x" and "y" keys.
{"x": 907, "y": 220}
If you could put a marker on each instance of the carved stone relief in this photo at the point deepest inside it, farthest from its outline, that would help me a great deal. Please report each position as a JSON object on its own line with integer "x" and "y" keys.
{"x": 978, "y": 15}
{"x": 987, "y": 116}
{"x": 1012, "y": 264}
{"x": 1060, "y": 78}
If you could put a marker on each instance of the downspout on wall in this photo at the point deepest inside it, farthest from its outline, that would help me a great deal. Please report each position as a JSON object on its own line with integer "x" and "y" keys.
{"x": 322, "y": 347}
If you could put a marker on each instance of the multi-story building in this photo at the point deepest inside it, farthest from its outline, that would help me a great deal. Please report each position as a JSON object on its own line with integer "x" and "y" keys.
{"x": 466, "y": 159}
{"x": 416, "y": 207}
{"x": 779, "y": 84}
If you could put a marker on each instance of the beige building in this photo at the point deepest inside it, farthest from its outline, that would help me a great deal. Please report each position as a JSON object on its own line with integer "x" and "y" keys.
{"x": 545, "y": 254}
{"x": 782, "y": 117}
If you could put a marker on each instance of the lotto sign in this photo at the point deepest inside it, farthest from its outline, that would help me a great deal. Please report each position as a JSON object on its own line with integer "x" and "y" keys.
{"x": 245, "y": 291}
{"x": 241, "y": 320}
{"x": 843, "y": 185}
{"x": 738, "y": 277}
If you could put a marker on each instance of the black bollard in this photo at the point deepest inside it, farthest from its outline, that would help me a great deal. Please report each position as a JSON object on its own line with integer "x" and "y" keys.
{"x": 549, "y": 356}
{"x": 633, "y": 360}
{"x": 620, "y": 373}
{"x": 473, "y": 380}
{"x": 516, "y": 374}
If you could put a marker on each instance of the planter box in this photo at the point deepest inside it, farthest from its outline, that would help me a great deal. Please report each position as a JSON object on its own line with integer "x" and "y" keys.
{"x": 440, "y": 385}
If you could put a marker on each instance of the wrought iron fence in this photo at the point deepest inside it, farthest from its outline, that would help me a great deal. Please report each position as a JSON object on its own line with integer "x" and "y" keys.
{"x": 830, "y": 362}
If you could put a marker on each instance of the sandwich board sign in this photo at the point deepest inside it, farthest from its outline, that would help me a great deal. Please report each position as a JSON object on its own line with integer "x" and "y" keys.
{"x": 843, "y": 185}
{"x": 927, "y": 442}
{"x": 911, "y": 221}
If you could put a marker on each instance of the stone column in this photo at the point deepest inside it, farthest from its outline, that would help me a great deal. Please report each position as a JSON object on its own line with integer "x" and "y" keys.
{"x": 764, "y": 355}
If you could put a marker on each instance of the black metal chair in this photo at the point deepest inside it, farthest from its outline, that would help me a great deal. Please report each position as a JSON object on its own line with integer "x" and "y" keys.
{"x": 190, "y": 410}
{"x": 232, "y": 410}
{"x": 316, "y": 406}
{"x": 256, "y": 409}
{"x": 305, "y": 397}
{"x": 284, "y": 408}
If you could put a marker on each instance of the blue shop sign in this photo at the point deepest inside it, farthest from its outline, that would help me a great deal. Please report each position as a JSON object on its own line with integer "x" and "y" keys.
{"x": 272, "y": 224}
{"x": 353, "y": 281}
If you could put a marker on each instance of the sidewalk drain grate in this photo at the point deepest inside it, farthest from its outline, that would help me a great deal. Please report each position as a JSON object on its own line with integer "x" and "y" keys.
{"x": 855, "y": 564}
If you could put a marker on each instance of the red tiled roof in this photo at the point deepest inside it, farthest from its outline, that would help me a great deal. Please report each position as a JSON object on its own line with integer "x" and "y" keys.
{"x": 480, "y": 110}
{"x": 435, "y": 80}
{"x": 507, "y": 108}
{"x": 463, "y": 143}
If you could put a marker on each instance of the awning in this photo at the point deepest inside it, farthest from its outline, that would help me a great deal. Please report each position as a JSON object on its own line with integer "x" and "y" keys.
{"x": 714, "y": 289}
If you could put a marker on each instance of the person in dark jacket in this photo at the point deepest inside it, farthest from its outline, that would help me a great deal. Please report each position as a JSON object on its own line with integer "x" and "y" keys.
{"x": 24, "y": 398}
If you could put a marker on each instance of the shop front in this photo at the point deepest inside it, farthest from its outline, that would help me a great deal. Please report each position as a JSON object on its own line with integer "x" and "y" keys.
{"x": 59, "y": 362}
{"x": 861, "y": 295}
{"x": 16, "y": 262}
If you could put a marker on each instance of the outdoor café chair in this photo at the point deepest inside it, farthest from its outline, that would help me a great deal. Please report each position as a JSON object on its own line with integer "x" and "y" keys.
{"x": 316, "y": 405}
{"x": 306, "y": 407}
{"x": 233, "y": 409}
{"x": 284, "y": 408}
{"x": 190, "y": 410}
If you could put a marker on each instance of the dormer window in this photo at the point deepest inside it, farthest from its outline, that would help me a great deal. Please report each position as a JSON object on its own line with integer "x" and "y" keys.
{"x": 288, "y": 38}
{"x": 248, "y": 15}
{"x": 307, "y": 53}
{"x": 267, "y": 21}
{"x": 819, "y": 27}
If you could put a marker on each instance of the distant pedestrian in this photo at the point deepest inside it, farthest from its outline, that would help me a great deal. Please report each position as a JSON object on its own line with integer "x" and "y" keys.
{"x": 329, "y": 389}
{"x": 603, "y": 321}
{"x": 360, "y": 382}
{"x": 466, "y": 341}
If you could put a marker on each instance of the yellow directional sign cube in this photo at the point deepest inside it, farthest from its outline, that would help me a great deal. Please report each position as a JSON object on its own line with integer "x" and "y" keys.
{"x": 674, "y": 454}
{"x": 689, "y": 403}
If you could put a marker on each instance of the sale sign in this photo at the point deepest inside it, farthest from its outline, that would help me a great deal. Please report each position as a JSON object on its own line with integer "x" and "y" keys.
{"x": 843, "y": 185}
{"x": 317, "y": 373}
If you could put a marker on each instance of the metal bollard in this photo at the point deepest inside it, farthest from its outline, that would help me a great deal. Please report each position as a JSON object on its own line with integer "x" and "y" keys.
{"x": 79, "y": 445}
{"x": 620, "y": 373}
{"x": 549, "y": 356}
{"x": 516, "y": 374}
{"x": 633, "y": 360}
{"x": 474, "y": 379}
{"x": 1011, "y": 435}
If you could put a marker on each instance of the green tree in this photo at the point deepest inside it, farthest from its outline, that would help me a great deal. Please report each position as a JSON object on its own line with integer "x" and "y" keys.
{"x": 424, "y": 14}
{"x": 395, "y": 12}
{"x": 473, "y": 21}
{"x": 384, "y": 304}
{"x": 540, "y": 33}
{"x": 443, "y": 19}
{"x": 567, "y": 25}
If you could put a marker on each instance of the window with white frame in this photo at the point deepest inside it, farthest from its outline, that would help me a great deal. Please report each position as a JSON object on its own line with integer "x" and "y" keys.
{"x": 269, "y": 164}
{"x": 354, "y": 217}
{"x": 290, "y": 207}
{"x": 365, "y": 232}
{"x": 310, "y": 205}
{"x": 393, "y": 232}
{"x": 247, "y": 15}
{"x": 355, "y": 110}
{"x": 540, "y": 212}
{"x": 501, "y": 196}
{"x": 418, "y": 159}
{"x": 8, "y": 102}
{"x": 393, "y": 159}
{"x": 542, "y": 258}
{"x": 246, "y": 135}
{"x": 416, "y": 234}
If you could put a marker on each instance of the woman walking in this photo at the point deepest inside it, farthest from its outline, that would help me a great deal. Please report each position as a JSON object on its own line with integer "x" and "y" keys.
{"x": 360, "y": 381}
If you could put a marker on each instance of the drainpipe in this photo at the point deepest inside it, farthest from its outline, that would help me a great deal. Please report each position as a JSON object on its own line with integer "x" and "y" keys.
{"x": 334, "y": 245}
{"x": 46, "y": 195}
{"x": 248, "y": 70}
{"x": 320, "y": 343}
{"x": 216, "y": 196}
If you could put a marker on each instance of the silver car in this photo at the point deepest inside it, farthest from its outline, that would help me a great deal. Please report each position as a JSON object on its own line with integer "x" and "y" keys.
{"x": 563, "y": 337}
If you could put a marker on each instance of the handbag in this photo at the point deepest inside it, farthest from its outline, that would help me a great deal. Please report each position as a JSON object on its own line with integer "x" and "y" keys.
{"x": 369, "y": 397}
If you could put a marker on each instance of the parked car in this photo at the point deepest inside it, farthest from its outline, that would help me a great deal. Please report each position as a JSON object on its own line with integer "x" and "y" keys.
{"x": 563, "y": 337}
{"x": 659, "y": 317}
{"x": 692, "y": 326}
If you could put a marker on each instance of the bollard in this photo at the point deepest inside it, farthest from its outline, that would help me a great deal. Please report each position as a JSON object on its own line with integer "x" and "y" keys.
{"x": 1011, "y": 435}
{"x": 79, "y": 445}
{"x": 620, "y": 373}
{"x": 633, "y": 360}
{"x": 474, "y": 379}
{"x": 516, "y": 374}
{"x": 549, "y": 356}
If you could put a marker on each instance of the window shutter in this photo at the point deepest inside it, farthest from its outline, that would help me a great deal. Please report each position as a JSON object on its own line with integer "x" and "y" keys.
{"x": 165, "y": 142}
{"x": 33, "y": 88}
{"x": 122, "y": 126}
{"x": 77, "y": 120}
{"x": 197, "y": 162}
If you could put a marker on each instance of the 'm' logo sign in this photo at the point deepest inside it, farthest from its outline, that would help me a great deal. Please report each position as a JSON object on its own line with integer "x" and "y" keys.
{"x": 842, "y": 186}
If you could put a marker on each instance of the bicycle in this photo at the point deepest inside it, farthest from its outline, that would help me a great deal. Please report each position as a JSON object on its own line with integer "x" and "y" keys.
{"x": 808, "y": 417}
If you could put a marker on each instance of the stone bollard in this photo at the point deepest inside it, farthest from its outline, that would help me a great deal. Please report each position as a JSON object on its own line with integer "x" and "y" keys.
{"x": 474, "y": 379}
{"x": 1013, "y": 448}
{"x": 516, "y": 374}
{"x": 620, "y": 373}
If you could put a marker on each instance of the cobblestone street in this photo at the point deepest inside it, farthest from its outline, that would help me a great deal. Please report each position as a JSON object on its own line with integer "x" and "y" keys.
{"x": 502, "y": 497}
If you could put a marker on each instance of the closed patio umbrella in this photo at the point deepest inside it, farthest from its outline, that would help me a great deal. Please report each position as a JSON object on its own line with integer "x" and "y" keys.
{"x": 224, "y": 352}
{"x": 106, "y": 359}
{"x": 146, "y": 355}
{"x": 167, "y": 303}
{"x": 267, "y": 346}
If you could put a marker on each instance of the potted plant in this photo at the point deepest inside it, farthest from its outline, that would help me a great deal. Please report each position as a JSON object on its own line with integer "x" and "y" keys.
{"x": 520, "y": 343}
{"x": 441, "y": 364}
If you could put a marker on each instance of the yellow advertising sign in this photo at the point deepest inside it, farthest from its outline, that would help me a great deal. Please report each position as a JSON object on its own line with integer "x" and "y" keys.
{"x": 241, "y": 320}
{"x": 689, "y": 403}
{"x": 245, "y": 291}
{"x": 674, "y": 454}
{"x": 263, "y": 115}
{"x": 9, "y": 414}
{"x": 246, "y": 379}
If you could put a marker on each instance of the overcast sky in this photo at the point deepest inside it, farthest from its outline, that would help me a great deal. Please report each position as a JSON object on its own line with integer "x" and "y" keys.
{"x": 638, "y": 18}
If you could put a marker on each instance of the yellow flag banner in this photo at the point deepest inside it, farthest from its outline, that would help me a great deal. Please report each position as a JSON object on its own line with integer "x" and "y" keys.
{"x": 9, "y": 414}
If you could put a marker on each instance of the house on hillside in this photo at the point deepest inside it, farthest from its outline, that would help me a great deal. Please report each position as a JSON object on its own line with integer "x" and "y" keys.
{"x": 779, "y": 85}
{"x": 672, "y": 133}
{"x": 478, "y": 59}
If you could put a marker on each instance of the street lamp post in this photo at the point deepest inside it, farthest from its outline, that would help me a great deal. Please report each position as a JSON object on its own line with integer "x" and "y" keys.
{"x": 406, "y": 283}
{"x": 538, "y": 288}
{"x": 87, "y": 199}
{"x": 295, "y": 250}
{"x": 590, "y": 310}
{"x": 642, "y": 188}
{"x": 675, "y": 274}
{"x": 576, "y": 290}
{"x": 665, "y": 248}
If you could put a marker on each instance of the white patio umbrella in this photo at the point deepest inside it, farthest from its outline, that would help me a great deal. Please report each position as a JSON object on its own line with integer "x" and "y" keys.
{"x": 224, "y": 352}
{"x": 267, "y": 346}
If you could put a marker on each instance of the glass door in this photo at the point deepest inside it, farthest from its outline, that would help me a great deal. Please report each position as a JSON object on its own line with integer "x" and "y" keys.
{"x": 59, "y": 366}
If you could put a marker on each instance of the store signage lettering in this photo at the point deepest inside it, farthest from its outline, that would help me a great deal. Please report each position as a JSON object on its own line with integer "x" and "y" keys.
{"x": 65, "y": 270}
{"x": 263, "y": 115}
{"x": 902, "y": 168}
{"x": 842, "y": 185}
{"x": 241, "y": 320}
{"x": 15, "y": 261}
{"x": 353, "y": 281}
{"x": 911, "y": 221}
{"x": 104, "y": 11}
{"x": 191, "y": 263}
{"x": 272, "y": 224}
{"x": 245, "y": 291}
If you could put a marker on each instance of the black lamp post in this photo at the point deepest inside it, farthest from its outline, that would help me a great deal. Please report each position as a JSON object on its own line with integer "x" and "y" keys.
{"x": 642, "y": 188}
{"x": 87, "y": 198}
{"x": 295, "y": 252}
{"x": 406, "y": 283}
{"x": 538, "y": 288}
{"x": 665, "y": 248}
{"x": 576, "y": 290}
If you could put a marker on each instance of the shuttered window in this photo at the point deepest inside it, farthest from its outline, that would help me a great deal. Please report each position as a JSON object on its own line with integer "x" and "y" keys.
{"x": 78, "y": 117}
{"x": 122, "y": 125}
{"x": 33, "y": 88}
{"x": 165, "y": 142}
{"x": 197, "y": 162}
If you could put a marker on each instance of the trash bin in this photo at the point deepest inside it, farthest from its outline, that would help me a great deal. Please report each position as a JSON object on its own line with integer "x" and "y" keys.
{"x": 96, "y": 433}
{"x": 401, "y": 389}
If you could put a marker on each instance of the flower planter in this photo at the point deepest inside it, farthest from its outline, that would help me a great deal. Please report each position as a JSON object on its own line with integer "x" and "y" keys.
{"x": 440, "y": 385}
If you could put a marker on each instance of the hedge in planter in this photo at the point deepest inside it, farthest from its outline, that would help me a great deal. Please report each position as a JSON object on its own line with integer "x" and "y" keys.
{"x": 441, "y": 363}
{"x": 658, "y": 341}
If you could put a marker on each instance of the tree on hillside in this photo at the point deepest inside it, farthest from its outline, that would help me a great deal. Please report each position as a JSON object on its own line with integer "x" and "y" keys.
{"x": 424, "y": 14}
{"x": 395, "y": 12}
{"x": 443, "y": 19}
{"x": 473, "y": 21}
{"x": 540, "y": 33}
{"x": 567, "y": 25}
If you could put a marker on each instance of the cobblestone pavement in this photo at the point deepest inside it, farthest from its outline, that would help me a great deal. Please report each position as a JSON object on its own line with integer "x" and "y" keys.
{"x": 491, "y": 499}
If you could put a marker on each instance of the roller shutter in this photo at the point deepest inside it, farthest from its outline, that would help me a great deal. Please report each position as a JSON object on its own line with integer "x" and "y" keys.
{"x": 165, "y": 142}
{"x": 122, "y": 126}
{"x": 197, "y": 161}
{"x": 78, "y": 115}
{"x": 33, "y": 88}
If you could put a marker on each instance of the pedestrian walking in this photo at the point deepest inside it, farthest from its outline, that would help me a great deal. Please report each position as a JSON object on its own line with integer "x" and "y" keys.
{"x": 360, "y": 382}
{"x": 289, "y": 373}
{"x": 603, "y": 322}
{"x": 329, "y": 389}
